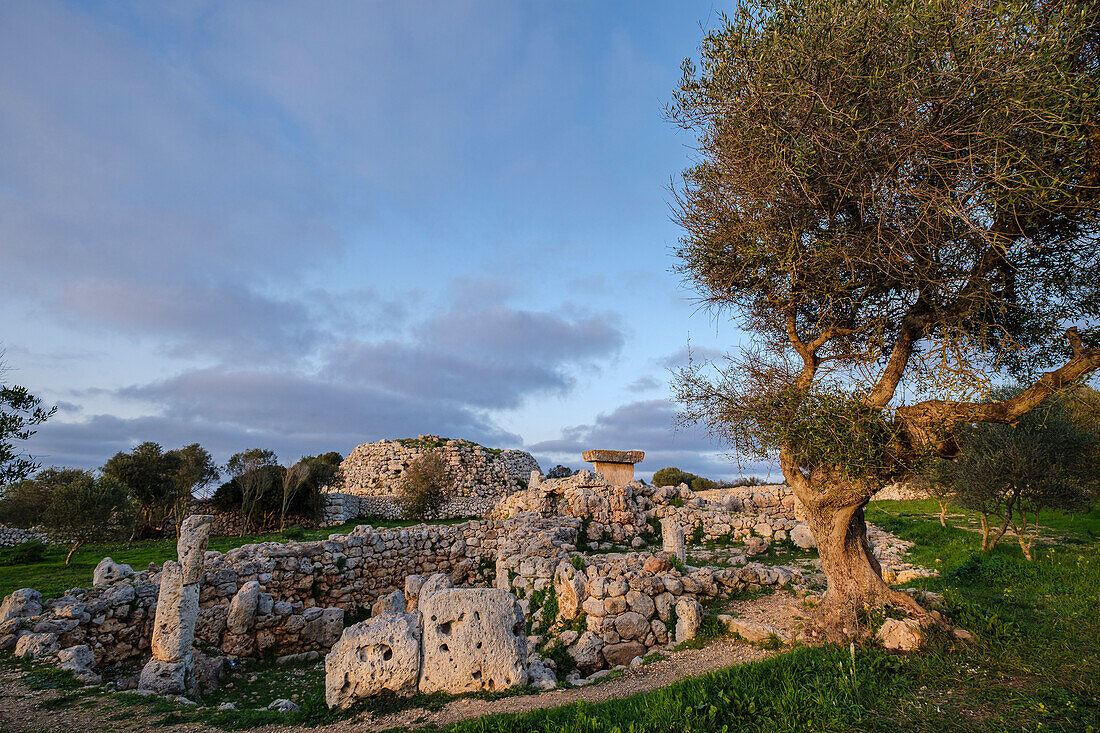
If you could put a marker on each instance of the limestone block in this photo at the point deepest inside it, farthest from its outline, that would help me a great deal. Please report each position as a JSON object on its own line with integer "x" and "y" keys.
{"x": 802, "y": 537}
{"x": 169, "y": 678}
{"x": 623, "y": 652}
{"x": 435, "y": 583}
{"x": 756, "y": 546}
{"x": 79, "y": 660}
{"x": 177, "y": 611}
{"x": 23, "y": 603}
{"x": 242, "y": 609}
{"x": 754, "y": 631}
{"x": 587, "y": 652}
{"x": 689, "y": 617}
{"x": 631, "y": 625}
{"x": 569, "y": 586}
{"x": 382, "y": 653}
{"x": 108, "y": 572}
{"x": 36, "y": 646}
{"x": 672, "y": 539}
{"x": 540, "y": 676}
{"x": 191, "y": 545}
{"x": 900, "y": 634}
{"x": 323, "y": 628}
{"x": 474, "y": 639}
{"x": 390, "y": 603}
{"x": 641, "y": 603}
{"x": 414, "y": 583}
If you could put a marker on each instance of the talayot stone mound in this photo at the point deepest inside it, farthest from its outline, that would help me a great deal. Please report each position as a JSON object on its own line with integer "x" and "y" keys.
{"x": 479, "y": 476}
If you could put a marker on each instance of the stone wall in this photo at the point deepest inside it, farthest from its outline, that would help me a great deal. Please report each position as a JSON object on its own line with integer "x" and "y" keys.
{"x": 12, "y": 536}
{"x": 479, "y": 475}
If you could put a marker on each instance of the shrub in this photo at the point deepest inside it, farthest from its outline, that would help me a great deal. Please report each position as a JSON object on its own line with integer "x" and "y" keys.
{"x": 560, "y": 471}
{"x": 24, "y": 503}
{"x": 425, "y": 486}
{"x": 672, "y": 476}
{"x": 24, "y": 553}
{"x": 89, "y": 510}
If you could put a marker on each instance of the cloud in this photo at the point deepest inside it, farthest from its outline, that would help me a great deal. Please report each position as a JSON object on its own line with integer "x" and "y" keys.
{"x": 647, "y": 425}
{"x": 644, "y": 384}
{"x": 697, "y": 354}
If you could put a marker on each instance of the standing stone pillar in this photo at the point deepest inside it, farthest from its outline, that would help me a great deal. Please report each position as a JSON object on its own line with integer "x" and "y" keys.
{"x": 171, "y": 670}
{"x": 672, "y": 539}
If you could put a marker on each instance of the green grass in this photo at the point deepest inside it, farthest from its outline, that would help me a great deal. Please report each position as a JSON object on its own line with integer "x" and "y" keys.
{"x": 52, "y": 577}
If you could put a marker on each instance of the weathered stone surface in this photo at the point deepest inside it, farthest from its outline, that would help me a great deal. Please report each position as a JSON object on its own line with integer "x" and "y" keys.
{"x": 754, "y": 631}
{"x": 191, "y": 545}
{"x": 641, "y": 603}
{"x": 672, "y": 539}
{"x": 108, "y": 571}
{"x": 169, "y": 678}
{"x": 587, "y": 652}
{"x": 323, "y": 626}
{"x": 756, "y": 546}
{"x": 389, "y": 603}
{"x": 623, "y": 652}
{"x": 437, "y": 582}
{"x": 689, "y": 617}
{"x": 540, "y": 676}
{"x": 79, "y": 660}
{"x": 282, "y": 705}
{"x": 569, "y": 586}
{"x": 177, "y": 611}
{"x": 802, "y": 537}
{"x": 382, "y": 653}
{"x": 413, "y": 584}
{"x": 473, "y": 639}
{"x": 902, "y": 635}
{"x": 242, "y": 609}
{"x": 36, "y": 646}
{"x": 631, "y": 625}
{"x": 23, "y": 603}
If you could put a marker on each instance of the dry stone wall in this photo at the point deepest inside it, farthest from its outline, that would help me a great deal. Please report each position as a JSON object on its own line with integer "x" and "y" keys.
{"x": 12, "y": 536}
{"x": 480, "y": 476}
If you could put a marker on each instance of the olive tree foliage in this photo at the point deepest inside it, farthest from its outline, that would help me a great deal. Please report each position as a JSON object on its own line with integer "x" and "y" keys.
{"x": 1009, "y": 474}
{"x": 150, "y": 474}
{"x": 254, "y": 472}
{"x": 20, "y": 413}
{"x": 88, "y": 509}
{"x": 898, "y": 199}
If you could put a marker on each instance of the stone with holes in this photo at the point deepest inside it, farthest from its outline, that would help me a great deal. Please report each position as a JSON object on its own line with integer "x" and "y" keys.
{"x": 382, "y": 653}
{"x": 474, "y": 639}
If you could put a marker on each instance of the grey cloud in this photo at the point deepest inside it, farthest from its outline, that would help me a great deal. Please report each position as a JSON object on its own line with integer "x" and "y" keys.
{"x": 698, "y": 354}
{"x": 649, "y": 426}
{"x": 644, "y": 384}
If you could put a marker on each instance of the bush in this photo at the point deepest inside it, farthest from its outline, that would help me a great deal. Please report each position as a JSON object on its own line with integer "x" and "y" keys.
{"x": 425, "y": 487}
{"x": 24, "y": 553}
{"x": 672, "y": 476}
{"x": 560, "y": 471}
{"x": 24, "y": 503}
{"x": 89, "y": 510}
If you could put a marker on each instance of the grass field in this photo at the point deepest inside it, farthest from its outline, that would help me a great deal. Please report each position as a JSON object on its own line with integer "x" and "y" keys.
{"x": 1034, "y": 667}
{"x": 52, "y": 576}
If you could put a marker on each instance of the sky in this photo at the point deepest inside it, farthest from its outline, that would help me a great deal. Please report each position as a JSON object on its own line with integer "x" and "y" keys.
{"x": 306, "y": 226}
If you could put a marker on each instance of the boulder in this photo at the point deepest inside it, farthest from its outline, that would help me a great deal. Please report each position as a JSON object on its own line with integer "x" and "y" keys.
{"x": 390, "y": 603}
{"x": 586, "y": 652}
{"x": 474, "y": 639}
{"x": 36, "y": 646}
{"x": 23, "y": 603}
{"x": 282, "y": 705}
{"x": 413, "y": 584}
{"x": 689, "y": 617}
{"x": 540, "y": 676}
{"x": 323, "y": 626}
{"x": 569, "y": 586}
{"x": 802, "y": 537}
{"x": 242, "y": 610}
{"x": 169, "y": 678}
{"x": 109, "y": 572}
{"x": 754, "y": 631}
{"x": 382, "y": 653}
{"x": 756, "y": 546}
{"x": 623, "y": 652}
{"x": 631, "y": 625}
{"x": 437, "y": 582}
{"x": 79, "y": 660}
{"x": 902, "y": 635}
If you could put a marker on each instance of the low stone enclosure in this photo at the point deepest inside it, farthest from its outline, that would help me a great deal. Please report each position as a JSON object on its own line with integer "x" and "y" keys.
{"x": 574, "y": 567}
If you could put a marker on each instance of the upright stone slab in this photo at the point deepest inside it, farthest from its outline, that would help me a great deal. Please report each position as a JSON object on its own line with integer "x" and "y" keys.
{"x": 171, "y": 670}
{"x": 382, "y": 653}
{"x": 672, "y": 539}
{"x": 474, "y": 639}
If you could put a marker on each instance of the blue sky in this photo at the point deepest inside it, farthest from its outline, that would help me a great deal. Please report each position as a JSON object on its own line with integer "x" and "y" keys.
{"x": 305, "y": 226}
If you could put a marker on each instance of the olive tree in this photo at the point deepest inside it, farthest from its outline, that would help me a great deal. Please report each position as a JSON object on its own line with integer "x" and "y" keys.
{"x": 20, "y": 413}
{"x": 898, "y": 199}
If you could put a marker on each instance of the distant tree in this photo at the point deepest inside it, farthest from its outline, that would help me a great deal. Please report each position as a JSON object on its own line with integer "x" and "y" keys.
{"x": 672, "y": 476}
{"x": 425, "y": 486}
{"x": 937, "y": 480}
{"x": 324, "y": 470}
{"x": 152, "y": 476}
{"x": 20, "y": 412}
{"x": 23, "y": 504}
{"x": 255, "y": 473}
{"x": 1014, "y": 473}
{"x": 195, "y": 471}
{"x": 293, "y": 480}
{"x": 560, "y": 471}
{"x": 238, "y": 463}
{"x": 87, "y": 510}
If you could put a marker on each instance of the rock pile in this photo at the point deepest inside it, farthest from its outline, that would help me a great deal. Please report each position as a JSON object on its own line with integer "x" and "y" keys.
{"x": 12, "y": 536}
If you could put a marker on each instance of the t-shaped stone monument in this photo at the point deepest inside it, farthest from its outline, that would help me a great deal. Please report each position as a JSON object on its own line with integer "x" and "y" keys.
{"x": 617, "y": 466}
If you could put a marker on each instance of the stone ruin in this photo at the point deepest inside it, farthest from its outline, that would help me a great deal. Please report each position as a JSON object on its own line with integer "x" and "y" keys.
{"x": 616, "y": 466}
{"x": 575, "y": 565}
{"x": 479, "y": 476}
